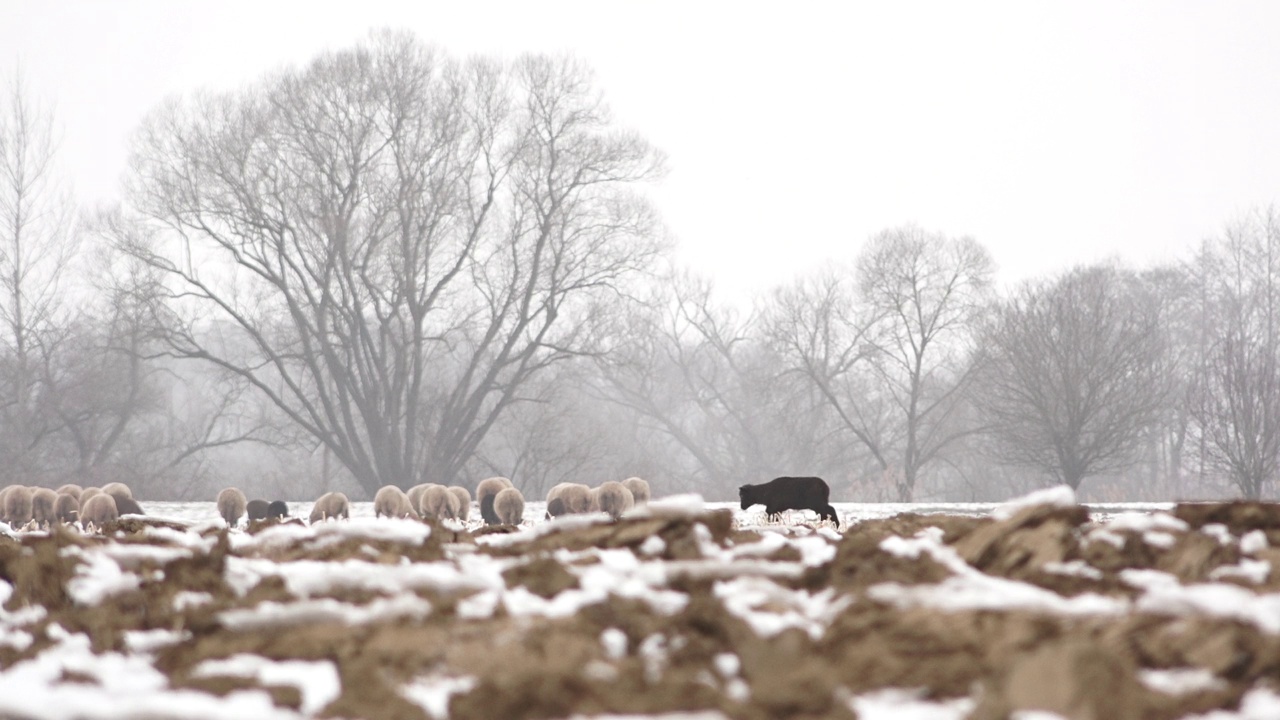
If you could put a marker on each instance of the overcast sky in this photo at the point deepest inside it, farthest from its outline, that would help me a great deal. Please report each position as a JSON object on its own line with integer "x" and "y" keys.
{"x": 1053, "y": 133}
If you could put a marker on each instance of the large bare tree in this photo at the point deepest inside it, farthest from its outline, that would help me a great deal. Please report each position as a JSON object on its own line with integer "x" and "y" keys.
{"x": 37, "y": 241}
{"x": 391, "y": 243}
{"x": 1074, "y": 374}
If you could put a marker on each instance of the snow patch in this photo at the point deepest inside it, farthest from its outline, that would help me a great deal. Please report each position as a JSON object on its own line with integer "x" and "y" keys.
{"x": 317, "y": 681}
{"x": 1059, "y": 496}
{"x": 1180, "y": 681}
{"x": 432, "y": 693}
{"x": 899, "y": 704}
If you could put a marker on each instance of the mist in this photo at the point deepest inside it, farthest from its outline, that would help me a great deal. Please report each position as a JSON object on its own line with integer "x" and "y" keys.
{"x": 394, "y": 265}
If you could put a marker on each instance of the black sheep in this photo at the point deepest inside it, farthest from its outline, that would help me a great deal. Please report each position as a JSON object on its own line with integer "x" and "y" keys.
{"x": 487, "y": 512}
{"x": 277, "y": 509}
{"x": 256, "y": 509}
{"x": 790, "y": 493}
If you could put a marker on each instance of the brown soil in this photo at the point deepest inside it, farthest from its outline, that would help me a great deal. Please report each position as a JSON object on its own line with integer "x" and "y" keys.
{"x": 1085, "y": 667}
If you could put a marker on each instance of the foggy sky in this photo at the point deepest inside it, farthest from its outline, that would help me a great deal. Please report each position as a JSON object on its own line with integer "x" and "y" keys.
{"x": 1052, "y": 133}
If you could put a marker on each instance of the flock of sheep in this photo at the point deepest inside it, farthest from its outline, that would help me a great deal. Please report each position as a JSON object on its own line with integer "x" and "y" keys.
{"x": 500, "y": 502}
{"x": 22, "y": 506}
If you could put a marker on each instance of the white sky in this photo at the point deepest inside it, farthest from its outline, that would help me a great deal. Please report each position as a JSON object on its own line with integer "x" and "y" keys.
{"x": 1054, "y": 133}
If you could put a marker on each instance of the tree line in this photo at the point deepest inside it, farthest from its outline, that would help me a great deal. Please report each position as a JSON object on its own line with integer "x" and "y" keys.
{"x": 395, "y": 266}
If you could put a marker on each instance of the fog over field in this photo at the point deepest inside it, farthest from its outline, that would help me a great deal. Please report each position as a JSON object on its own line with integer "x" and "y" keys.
{"x": 336, "y": 250}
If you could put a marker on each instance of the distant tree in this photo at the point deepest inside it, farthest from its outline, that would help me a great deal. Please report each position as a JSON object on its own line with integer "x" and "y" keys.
{"x": 1073, "y": 374}
{"x": 1238, "y": 408}
{"x": 395, "y": 242}
{"x": 37, "y": 242}
{"x": 889, "y": 350}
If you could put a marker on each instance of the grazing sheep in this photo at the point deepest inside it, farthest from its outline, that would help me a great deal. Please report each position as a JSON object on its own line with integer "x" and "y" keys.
{"x": 508, "y": 505}
{"x": 98, "y": 510}
{"x": 256, "y": 509}
{"x": 392, "y": 502}
{"x": 88, "y": 493}
{"x": 126, "y": 506}
{"x": 66, "y": 508}
{"x": 790, "y": 493}
{"x": 439, "y": 503}
{"x": 330, "y": 505}
{"x": 117, "y": 489}
{"x": 464, "y": 501}
{"x": 17, "y": 506}
{"x": 485, "y": 493}
{"x": 639, "y": 489}
{"x": 278, "y": 509}
{"x": 613, "y": 498}
{"x": 556, "y": 508}
{"x": 42, "y": 502}
{"x": 70, "y": 489}
{"x": 415, "y": 494}
{"x": 231, "y": 505}
{"x": 569, "y": 498}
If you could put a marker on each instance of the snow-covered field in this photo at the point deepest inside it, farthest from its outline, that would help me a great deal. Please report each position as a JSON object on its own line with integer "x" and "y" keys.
{"x": 535, "y": 511}
{"x": 1036, "y": 609}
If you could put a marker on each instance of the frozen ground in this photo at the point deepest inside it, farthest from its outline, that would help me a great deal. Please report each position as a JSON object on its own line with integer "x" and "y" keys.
{"x": 1035, "y": 609}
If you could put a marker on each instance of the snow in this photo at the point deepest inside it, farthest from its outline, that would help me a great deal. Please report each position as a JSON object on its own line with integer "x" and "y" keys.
{"x": 1254, "y": 571}
{"x": 127, "y": 687}
{"x": 898, "y": 704}
{"x": 1253, "y": 542}
{"x": 1180, "y": 681}
{"x": 1145, "y": 522}
{"x": 432, "y": 693}
{"x": 317, "y": 681}
{"x": 324, "y": 610}
{"x": 614, "y": 643}
{"x": 97, "y": 578}
{"x": 1059, "y": 496}
{"x": 746, "y": 597}
{"x": 971, "y": 589}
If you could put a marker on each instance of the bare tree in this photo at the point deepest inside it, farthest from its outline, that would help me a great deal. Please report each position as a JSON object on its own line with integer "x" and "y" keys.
{"x": 37, "y": 241}
{"x": 1074, "y": 375}
{"x": 393, "y": 241}
{"x": 888, "y": 351}
{"x": 1238, "y": 408}
{"x": 823, "y": 333}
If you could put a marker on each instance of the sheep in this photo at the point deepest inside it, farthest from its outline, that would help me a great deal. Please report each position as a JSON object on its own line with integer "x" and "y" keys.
{"x": 126, "y": 505}
{"x": 42, "y": 502}
{"x": 17, "y": 506}
{"x": 231, "y": 505}
{"x": 415, "y": 494}
{"x": 439, "y": 503}
{"x": 392, "y": 502}
{"x": 330, "y": 505}
{"x": 70, "y": 489}
{"x": 464, "y": 501}
{"x": 98, "y": 510}
{"x": 508, "y": 505}
{"x": 639, "y": 489}
{"x": 88, "y": 493}
{"x": 278, "y": 509}
{"x": 573, "y": 498}
{"x": 66, "y": 508}
{"x": 613, "y": 498}
{"x": 485, "y": 493}
{"x": 790, "y": 493}
{"x": 117, "y": 489}
{"x": 256, "y": 510}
